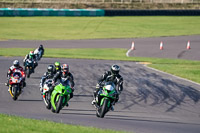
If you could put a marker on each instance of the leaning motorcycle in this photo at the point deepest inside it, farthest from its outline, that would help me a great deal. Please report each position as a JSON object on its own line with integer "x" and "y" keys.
{"x": 15, "y": 85}
{"x": 29, "y": 67}
{"x": 46, "y": 93}
{"x": 38, "y": 54}
{"x": 108, "y": 94}
{"x": 60, "y": 96}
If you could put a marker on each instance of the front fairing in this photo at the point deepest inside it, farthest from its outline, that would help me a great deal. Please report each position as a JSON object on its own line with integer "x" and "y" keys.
{"x": 64, "y": 90}
{"x": 16, "y": 78}
{"x": 29, "y": 63}
{"x": 60, "y": 90}
{"x": 108, "y": 90}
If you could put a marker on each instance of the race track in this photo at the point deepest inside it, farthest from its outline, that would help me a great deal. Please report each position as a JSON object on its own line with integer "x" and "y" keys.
{"x": 173, "y": 47}
{"x": 152, "y": 102}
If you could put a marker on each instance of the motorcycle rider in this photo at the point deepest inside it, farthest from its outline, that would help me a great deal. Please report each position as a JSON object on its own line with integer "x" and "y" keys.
{"x": 63, "y": 75}
{"x": 32, "y": 57}
{"x": 16, "y": 67}
{"x": 37, "y": 50}
{"x": 113, "y": 76}
{"x": 47, "y": 75}
{"x": 57, "y": 67}
{"x": 41, "y": 48}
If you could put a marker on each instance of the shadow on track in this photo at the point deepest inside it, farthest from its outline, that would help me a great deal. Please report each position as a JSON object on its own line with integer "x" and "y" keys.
{"x": 158, "y": 91}
{"x": 143, "y": 119}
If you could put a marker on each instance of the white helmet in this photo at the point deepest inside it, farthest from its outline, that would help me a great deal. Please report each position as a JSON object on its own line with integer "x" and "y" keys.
{"x": 16, "y": 63}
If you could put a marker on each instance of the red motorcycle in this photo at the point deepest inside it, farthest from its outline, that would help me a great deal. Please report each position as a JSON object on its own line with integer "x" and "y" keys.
{"x": 15, "y": 84}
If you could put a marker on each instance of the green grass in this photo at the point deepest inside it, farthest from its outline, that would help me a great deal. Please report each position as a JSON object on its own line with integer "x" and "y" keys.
{"x": 64, "y": 28}
{"x": 182, "y": 68}
{"x": 15, "y": 124}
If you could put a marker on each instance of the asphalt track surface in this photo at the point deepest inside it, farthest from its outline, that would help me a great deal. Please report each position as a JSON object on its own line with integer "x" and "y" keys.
{"x": 152, "y": 102}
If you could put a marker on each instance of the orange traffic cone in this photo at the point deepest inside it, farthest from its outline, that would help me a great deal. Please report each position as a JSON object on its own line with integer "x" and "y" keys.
{"x": 188, "y": 45}
{"x": 133, "y": 46}
{"x": 161, "y": 45}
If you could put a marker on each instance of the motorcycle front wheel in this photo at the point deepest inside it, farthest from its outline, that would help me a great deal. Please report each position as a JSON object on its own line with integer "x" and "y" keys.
{"x": 15, "y": 92}
{"x": 103, "y": 109}
{"x": 59, "y": 104}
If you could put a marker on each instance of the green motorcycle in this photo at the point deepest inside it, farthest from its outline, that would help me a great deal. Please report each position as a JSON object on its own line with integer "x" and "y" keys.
{"x": 60, "y": 96}
{"x": 107, "y": 94}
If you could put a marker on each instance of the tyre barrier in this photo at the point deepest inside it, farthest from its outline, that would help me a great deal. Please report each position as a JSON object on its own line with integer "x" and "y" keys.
{"x": 152, "y": 12}
{"x": 50, "y": 12}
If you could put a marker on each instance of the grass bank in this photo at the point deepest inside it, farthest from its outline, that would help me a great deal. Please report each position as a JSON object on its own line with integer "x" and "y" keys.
{"x": 65, "y": 28}
{"x": 24, "y": 125}
{"x": 183, "y": 68}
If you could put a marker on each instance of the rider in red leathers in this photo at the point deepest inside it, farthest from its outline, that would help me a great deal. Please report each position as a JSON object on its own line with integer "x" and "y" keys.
{"x": 16, "y": 67}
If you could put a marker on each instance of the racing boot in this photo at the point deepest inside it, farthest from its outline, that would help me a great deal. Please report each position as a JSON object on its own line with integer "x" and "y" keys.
{"x": 112, "y": 108}
{"x": 24, "y": 84}
{"x": 6, "y": 84}
{"x": 93, "y": 102}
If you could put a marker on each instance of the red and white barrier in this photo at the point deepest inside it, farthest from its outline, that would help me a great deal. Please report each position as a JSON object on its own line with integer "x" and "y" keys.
{"x": 161, "y": 45}
{"x": 132, "y": 48}
{"x": 188, "y": 45}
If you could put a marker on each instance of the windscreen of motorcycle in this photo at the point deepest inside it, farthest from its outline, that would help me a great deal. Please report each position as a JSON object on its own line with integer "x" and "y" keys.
{"x": 109, "y": 87}
{"x": 64, "y": 81}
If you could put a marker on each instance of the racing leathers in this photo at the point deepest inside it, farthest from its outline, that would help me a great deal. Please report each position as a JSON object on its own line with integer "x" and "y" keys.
{"x": 56, "y": 69}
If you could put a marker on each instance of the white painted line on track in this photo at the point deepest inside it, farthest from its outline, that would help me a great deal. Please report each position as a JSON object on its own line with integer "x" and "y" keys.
{"x": 171, "y": 75}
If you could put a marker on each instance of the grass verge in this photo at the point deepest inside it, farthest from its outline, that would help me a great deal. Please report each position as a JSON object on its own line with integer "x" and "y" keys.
{"x": 65, "y": 28}
{"x": 25, "y": 125}
{"x": 183, "y": 68}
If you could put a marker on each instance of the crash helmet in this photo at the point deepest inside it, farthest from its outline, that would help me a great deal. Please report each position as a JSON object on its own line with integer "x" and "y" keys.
{"x": 115, "y": 69}
{"x": 16, "y": 63}
{"x": 65, "y": 69}
{"x": 57, "y": 65}
{"x": 41, "y": 46}
{"x": 31, "y": 54}
{"x": 50, "y": 70}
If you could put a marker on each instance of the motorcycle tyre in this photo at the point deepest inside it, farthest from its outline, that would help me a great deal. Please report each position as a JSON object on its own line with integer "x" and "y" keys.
{"x": 15, "y": 93}
{"x": 52, "y": 109}
{"x": 28, "y": 73}
{"x": 103, "y": 109}
{"x": 59, "y": 104}
{"x": 48, "y": 106}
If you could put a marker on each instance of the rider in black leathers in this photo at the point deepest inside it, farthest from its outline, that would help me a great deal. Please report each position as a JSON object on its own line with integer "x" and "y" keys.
{"x": 31, "y": 56}
{"x": 63, "y": 75}
{"x": 41, "y": 48}
{"x": 47, "y": 75}
{"x": 113, "y": 76}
